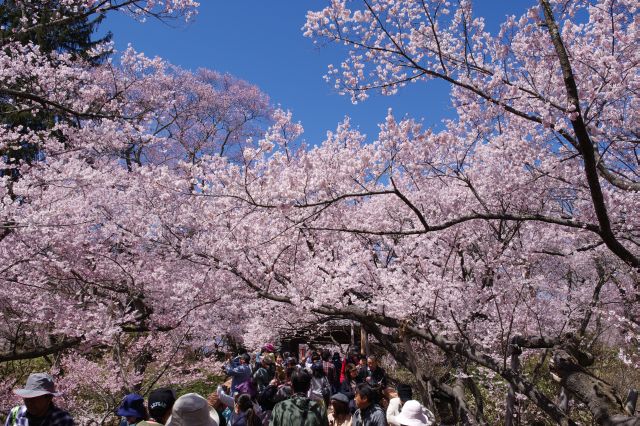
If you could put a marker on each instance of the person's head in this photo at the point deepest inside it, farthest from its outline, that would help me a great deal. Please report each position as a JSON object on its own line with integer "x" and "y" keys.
{"x": 326, "y": 356}
{"x": 362, "y": 360}
{"x": 315, "y": 357}
{"x": 279, "y": 359}
{"x": 267, "y": 360}
{"x": 243, "y": 403}
{"x": 288, "y": 372}
{"x": 132, "y": 408}
{"x": 38, "y": 405}
{"x": 245, "y": 358}
{"x": 160, "y": 403}
{"x": 351, "y": 371}
{"x": 405, "y": 393}
{"x": 317, "y": 370}
{"x": 300, "y": 381}
{"x": 413, "y": 414}
{"x": 372, "y": 362}
{"x": 291, "y": 362}
{"x": 38, "y": 393}
{"x": 340, "y": 403}
{"x": 365, "y": 395}
{"x": 193, "y": 410}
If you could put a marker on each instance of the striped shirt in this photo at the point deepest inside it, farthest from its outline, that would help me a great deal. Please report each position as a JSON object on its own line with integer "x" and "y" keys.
{"x": 54, "y": 417}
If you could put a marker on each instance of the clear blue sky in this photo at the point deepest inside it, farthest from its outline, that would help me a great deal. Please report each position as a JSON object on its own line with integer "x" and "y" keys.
{"x": 261, "y": 41}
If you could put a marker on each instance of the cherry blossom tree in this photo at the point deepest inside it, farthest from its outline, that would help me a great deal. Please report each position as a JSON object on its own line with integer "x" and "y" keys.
{"x": 165, "y": 215}
{"x": 92, "y": 283}
{"x": 509, "y": 232}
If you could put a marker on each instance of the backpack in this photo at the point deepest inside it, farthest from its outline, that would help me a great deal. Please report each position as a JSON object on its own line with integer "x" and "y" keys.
{"x": 266, "y": 397}
{"x": 13, "y": 414}
{"x": 321, "y": 393}
{"x": 248, "y": 386}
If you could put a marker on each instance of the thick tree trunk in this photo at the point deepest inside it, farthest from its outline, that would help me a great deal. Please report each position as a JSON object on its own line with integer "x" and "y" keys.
{"x": 600, "y": 397}
{"x": 510, "y": 411}
{"x": 630, "y": 403}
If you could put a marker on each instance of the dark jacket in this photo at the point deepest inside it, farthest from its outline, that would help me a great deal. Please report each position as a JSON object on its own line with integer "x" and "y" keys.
{"x": 348, "y": 388}
{"x": 298, "y": 411}
{"x": 261, "y": 378}
{"x": 377, "y": 377}
{"x": 373, "y": 415}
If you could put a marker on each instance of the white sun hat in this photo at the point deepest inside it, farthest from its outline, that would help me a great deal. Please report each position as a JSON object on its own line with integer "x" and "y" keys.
{"x": 193, "y": 410}
{"x": 413, "y": 414}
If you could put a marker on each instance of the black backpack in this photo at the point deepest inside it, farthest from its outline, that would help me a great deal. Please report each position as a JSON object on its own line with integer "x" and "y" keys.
{"x": 267, "y": 397}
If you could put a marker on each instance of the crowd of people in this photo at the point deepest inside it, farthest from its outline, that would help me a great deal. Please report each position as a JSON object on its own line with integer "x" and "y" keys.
{"x": 270, "y": 388}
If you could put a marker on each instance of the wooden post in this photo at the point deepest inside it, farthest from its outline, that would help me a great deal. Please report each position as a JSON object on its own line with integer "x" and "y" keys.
{"x": 364, "y": 341}
{"x": 353, "y": 336}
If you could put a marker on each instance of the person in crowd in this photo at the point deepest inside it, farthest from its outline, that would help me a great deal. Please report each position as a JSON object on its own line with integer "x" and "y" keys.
{"x": 349, "y": 384}
{"x": 223, "y": 412}
{"x": 245, "y": 413}
{"x": 329, "y": 370}
{"x": 292, "y": 363}
{"x": 339, "y": 413}
{"x": 405, "y": 393}
{"x": 414, "y": 414}
{"x": 312, "y": 358}
{"x": 320, "y": 389}
{"x": 280, "y": 366}
{"x": 193, "y": 410}
{"x": 337, "y": 365}
{"x": 268, "y": 348}
{"x": 351, "y": 358}
{"x": 132, "y": 408}
{"x": 233, "y": 403}
{"x": 299, "y": 410}
{"x": 38, "y": 408}
{"x": 239, "y": 370}
{"x": 376, "y": 375}
{"x": 369, "y": 413}
{"x": 228, "y": 400}
{"x": 268, "y": 398}
{"x": 362, "y": 368}
{"x": 159, "y": 405}
{"x": 285, "y": 390}
{"x": 263, "y": 375}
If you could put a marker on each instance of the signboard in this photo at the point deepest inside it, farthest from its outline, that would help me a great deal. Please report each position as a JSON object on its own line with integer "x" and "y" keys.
{"x": 302, "y": 351}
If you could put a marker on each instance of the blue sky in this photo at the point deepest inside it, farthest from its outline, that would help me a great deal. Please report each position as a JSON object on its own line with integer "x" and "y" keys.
{"x": 261, "y": 41}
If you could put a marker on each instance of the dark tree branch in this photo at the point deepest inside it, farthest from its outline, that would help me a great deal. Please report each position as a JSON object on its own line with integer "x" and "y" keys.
{"x": 584, "y": 142}
{"x": 36, "y": 353}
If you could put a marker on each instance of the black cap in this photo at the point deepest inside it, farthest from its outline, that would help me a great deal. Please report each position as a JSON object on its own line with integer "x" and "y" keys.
{"x": 340, "y": 397}
{"x": 160, "y": 402}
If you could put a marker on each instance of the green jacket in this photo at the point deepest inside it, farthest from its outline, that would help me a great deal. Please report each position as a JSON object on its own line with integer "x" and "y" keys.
{"x": 299, "y": 411}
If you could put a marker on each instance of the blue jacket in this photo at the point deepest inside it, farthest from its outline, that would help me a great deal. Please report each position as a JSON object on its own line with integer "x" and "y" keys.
{"x": 239, "y": 373}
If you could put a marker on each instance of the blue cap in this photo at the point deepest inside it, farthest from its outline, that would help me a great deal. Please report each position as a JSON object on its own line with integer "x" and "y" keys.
{"x": 132, "y": 406}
